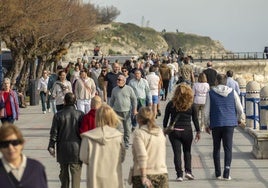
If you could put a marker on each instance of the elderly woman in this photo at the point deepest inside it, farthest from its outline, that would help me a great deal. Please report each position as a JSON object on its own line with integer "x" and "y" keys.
{"x": 15, "y": 168}
{"x": 102, "y": 149}
{"x": 9, "y": 103}
{"x": 149, "y": 152}
{"x": 180, "y": 110}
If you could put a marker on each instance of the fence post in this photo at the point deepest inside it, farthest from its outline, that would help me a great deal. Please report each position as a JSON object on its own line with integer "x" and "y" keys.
{"x": 242, "y": 86}
{"x": 252, "y": 104}
{"x": 264, "y": 108}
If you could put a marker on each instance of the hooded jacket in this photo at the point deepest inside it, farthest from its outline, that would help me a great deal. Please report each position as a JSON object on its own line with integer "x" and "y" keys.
{"x": 225, "y": 92}
{"x": 103, "y": 151}
{"x": 149, "y": 151}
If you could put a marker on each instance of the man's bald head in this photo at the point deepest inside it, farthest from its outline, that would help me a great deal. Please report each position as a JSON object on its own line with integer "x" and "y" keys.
{"x": 209, "y": 64}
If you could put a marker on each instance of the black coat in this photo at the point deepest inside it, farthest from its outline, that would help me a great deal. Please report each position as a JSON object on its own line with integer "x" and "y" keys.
{"x": 65, "y": 133}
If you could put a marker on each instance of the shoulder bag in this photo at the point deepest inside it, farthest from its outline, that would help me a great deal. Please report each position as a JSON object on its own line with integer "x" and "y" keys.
{"x": 170, "y": 127}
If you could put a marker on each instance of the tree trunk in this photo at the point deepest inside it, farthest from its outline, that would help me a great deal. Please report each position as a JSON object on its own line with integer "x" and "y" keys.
{"x": 24, "y": 78}
{"x": 14, "y": 72}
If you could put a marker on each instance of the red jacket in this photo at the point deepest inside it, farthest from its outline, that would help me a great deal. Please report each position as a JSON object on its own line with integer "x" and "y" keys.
{"x": 88, "y": 121}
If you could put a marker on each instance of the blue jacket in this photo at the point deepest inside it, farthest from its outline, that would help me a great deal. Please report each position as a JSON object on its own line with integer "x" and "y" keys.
{"x": 222, "y": 110}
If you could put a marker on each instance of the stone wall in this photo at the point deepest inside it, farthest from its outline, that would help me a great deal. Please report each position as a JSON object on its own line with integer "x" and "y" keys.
{"x": 250, "y": 70}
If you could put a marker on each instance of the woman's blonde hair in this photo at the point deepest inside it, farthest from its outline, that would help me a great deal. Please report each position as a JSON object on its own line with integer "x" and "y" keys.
{"x": 202, "y": 78}
{"x": 183, "y": 97}
{"x": 105, "y": 115}
{"x": 146, "y": 117}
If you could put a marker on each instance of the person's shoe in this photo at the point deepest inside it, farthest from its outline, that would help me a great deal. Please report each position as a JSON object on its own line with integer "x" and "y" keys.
{"x": 189, "y": 176}
{"x": 49, "y": 110}
{"x": 180, "y": 179}
{"x": 158, "y": 112}
{"x": 132, "y": 129}
{"x": 44, "y": 112}
{"x": 22, "y": 106}
{"x": 227, "y": 179}
{"x": 219, "y": 178}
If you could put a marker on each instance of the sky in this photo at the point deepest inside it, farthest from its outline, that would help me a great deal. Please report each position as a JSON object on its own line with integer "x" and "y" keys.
{"x": 240, "y": 25}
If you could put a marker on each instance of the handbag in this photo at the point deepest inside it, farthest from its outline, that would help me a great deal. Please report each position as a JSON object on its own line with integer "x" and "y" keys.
{"x": 170, "y": 127}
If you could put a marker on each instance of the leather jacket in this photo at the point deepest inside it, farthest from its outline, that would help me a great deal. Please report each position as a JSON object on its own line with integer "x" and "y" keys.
{"x": 65, "y": 134}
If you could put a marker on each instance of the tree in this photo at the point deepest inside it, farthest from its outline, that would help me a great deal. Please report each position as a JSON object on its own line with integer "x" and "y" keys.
{"x": 44, "y": 30}
{"x": 107, "y": 14}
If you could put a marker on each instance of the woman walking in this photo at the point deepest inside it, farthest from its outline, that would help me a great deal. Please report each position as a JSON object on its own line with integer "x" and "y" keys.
{"x": 181, "y": 111}
{"x": 149, "y": 152}
{"x": 102, "y": 149}
{"x": 42, "y": 88}
{"x": 200, "y": 89}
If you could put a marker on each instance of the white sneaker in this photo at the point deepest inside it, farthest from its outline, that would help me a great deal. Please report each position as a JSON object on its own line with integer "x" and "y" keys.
{"x": 44, "y": 112}
{"x": 227, "y": 179}
{"x": 219, "y": 178}
{"x": 189, "y": 176}
{"x": 49, "y": 110}
{"x": 180, "y": 179}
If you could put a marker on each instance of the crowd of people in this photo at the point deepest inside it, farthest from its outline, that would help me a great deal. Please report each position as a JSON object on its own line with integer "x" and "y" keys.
{"x": 92, "y": 102}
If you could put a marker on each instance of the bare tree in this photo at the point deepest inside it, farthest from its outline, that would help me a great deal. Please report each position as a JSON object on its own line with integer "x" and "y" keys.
{"x": 42, "y": 29}
{"x": 107, "y": 14}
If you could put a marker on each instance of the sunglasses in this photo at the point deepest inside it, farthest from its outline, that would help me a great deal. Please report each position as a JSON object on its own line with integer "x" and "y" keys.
{"x": 5, "y": 144}
{"x": 124, "y": 70}
{"x": 103, "y": 70}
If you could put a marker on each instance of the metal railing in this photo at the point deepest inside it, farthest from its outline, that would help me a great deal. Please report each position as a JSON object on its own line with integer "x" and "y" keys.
{"x": 200, "y": 57}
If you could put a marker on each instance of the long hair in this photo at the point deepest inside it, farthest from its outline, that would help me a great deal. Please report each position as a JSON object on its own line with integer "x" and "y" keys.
{"x": 183, "y": 97}
{"x": 105, "y": 115}
{"x": 146, "y": 117}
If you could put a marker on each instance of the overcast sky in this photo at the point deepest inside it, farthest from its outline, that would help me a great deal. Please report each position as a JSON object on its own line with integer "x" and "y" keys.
{"x": 240, "y": 25}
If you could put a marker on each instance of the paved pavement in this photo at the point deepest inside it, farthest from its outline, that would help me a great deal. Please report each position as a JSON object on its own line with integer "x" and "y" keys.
{"x": 246, "y": 171}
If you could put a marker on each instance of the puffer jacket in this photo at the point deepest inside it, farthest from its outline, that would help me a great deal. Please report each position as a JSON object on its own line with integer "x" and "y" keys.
{"x": 65, "y": 134}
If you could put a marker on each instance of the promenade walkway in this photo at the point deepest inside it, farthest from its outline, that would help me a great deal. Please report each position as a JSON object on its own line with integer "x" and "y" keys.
{"x": 246, "y": 172}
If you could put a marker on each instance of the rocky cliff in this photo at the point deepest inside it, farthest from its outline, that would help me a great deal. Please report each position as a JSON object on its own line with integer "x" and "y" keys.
{"x": 123, "y": 39}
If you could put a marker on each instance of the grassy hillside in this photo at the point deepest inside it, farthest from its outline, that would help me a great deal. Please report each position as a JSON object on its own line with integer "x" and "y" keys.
{"x": 122, "y": 39}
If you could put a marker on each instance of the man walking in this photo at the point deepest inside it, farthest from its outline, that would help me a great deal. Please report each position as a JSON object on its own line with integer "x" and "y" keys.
{"x": 211, "y": 74}
{"x": 231, "y": 82}
{"x": 223, "y": 112}
{"x": 65, "y": 134}
{"x": 123, "y": 99}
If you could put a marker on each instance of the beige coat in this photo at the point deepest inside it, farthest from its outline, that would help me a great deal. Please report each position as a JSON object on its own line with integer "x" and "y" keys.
{"x": 149, "y": 151}
{"x": 103, "y": 151}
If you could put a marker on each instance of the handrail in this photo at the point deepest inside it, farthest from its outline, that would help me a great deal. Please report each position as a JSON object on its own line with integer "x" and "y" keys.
{"x": 229, "y": 56}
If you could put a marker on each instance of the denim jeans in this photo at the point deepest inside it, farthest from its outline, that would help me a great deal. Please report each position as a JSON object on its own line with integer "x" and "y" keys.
{"x": 224, "y": 134}
{"x": 182, "y": 139}
{"x": 44, "y": 100}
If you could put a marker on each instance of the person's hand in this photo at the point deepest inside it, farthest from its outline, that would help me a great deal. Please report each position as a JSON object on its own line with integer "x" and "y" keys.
{"x": 146, "y": 182}
{"x": 197, "y": 137}
{"x": 135, "y": 112}
{"x": 208, "y": 130}
{"x": 51, "y": 151}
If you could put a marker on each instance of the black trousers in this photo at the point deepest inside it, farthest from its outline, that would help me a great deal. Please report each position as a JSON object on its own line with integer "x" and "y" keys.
{"x": 182, "y": 139}
{"x": 224, "y": 134}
